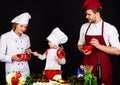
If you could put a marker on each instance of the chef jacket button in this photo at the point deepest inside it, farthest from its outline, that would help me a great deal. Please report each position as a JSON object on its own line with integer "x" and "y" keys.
{"x": 17, "y": 48}
{"x": 18, "y": 64}
{"x": 26, "y": 75}
{"x": 22, "y": 48}
{"x": 21, "y": 63}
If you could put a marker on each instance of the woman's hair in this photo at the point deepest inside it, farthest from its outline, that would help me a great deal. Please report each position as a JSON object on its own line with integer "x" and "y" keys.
{"x": 14, "y": 26}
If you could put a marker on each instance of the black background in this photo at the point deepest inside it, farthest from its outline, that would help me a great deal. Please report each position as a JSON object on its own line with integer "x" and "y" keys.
{"x": 46, "y": 15}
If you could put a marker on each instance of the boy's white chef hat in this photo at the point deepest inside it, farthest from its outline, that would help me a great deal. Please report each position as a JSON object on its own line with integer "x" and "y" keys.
{"x": 57, "y": 37}
{"x": 22, "y": 18}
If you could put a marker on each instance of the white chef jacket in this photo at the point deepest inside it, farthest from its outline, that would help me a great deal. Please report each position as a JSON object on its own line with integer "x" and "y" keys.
{"x": 51, "y": 63}
{"x": 11, "y": 44}
{"x": 110, "y": 33}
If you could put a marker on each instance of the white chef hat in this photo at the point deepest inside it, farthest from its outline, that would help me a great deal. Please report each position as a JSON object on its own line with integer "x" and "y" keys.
{"x": 57, "y": 37}
{"x": 22, "y": 18}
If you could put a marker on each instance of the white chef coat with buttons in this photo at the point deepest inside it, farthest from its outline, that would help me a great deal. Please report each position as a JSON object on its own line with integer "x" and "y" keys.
{"x": 51, "y": 63}
{"x": 110, "y": 33}
{"x": 11, "y": 44}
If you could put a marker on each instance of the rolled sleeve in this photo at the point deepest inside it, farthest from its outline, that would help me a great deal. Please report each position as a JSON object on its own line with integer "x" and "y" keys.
{"x": 114, "y": 37}
{"x": 83, "y": 29}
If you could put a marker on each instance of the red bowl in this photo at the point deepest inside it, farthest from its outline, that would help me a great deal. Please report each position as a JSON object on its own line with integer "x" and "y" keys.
{"x": 87, "y": 47}
{"x": 51, "y": 73}
{"x": 24, "y": 56}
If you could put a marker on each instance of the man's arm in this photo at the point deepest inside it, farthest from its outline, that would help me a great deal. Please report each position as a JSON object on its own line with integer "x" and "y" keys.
{"x": 107, "y": 49}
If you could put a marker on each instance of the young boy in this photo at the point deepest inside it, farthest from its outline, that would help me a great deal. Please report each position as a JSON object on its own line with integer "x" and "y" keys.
{"x": 55, "y": 56}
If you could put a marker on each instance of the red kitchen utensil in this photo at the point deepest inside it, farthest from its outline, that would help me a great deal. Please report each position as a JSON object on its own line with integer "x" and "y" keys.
{"x": 24, "y": 56}
{"x": 87, "y": 47}
{"x": 51, "y": 73}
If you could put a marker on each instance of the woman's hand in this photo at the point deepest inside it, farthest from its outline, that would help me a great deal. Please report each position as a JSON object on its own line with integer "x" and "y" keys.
{"x": 28, "y": 51}
{"x": 16, "y": 58}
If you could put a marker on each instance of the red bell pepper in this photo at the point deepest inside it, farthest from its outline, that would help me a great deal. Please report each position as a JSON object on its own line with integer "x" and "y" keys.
{"x": 15, "y": 80}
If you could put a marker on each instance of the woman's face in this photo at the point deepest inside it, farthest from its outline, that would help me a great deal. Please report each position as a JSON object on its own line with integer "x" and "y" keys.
{"x": 20, "y": 28}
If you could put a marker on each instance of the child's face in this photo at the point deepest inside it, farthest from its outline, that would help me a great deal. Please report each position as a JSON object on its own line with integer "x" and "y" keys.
{"x": 51, "y": 45}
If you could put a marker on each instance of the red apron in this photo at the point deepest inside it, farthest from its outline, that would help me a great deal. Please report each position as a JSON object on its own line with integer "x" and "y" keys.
{"x": 104, "y": 58}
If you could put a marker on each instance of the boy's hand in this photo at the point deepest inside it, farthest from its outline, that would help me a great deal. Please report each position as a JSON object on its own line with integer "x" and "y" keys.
{"x": 35, "y": 53}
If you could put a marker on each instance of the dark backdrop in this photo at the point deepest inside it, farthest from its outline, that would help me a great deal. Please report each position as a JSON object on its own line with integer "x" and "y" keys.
{"x": 47, "y": 14}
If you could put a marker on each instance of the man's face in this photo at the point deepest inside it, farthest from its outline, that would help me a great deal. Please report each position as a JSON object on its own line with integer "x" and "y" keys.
{"x": 91, "y": 16}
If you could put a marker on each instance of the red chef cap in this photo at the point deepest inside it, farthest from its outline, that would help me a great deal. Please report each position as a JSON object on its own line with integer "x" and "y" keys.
{"x": 91, "y": 4}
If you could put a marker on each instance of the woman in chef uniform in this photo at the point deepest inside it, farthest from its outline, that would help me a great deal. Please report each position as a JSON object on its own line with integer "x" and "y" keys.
{"x": 16, "y": 42}
{"x": 102, "y": 36}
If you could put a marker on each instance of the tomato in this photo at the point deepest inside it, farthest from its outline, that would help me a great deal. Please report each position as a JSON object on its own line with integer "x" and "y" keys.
{"x": 18, "y": 75}
{"x": 87, "y": 47}
{"x": 14, "y": 81}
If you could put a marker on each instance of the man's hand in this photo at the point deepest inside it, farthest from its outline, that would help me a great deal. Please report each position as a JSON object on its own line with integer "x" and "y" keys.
{"x": 86, "y": 52}
{"x": 95, "y": 42}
